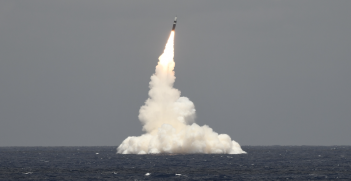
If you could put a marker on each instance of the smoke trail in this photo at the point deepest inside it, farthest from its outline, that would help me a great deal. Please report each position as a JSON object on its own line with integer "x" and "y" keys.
{"x": 168, "y": 119}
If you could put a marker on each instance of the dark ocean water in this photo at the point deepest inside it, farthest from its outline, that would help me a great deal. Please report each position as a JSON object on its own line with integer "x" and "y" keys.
{"x": 261, "y": 163}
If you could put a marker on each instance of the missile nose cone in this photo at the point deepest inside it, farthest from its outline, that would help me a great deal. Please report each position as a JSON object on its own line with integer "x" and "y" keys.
{"x": 175, "y": 19}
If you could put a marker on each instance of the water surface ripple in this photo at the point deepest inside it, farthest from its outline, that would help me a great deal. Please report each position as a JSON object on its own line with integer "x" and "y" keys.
{"x": 102, "y": 163}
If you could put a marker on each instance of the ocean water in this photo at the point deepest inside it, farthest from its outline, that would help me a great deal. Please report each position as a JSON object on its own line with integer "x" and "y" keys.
{"x": 102, "y": 163}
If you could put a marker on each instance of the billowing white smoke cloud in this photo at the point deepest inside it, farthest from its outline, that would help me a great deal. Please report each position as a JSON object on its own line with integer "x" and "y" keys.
{"x": 168, "y": 119}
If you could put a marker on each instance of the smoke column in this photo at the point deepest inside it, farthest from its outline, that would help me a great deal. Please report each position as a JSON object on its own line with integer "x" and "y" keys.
{"x": 168, "y": 119}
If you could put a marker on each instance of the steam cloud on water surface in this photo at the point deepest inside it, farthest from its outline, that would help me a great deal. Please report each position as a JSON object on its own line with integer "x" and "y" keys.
{"x": 168, "y": 119}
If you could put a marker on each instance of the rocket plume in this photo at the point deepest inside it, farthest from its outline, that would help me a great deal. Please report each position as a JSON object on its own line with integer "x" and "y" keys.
{"x": 168, "y": 119}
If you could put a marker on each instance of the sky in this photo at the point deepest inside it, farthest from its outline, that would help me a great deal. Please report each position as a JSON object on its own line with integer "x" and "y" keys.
{"x": 272, "y": 72}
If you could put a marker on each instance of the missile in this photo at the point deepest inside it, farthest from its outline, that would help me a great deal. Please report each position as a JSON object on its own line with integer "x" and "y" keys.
{"x": 174, "y": 23}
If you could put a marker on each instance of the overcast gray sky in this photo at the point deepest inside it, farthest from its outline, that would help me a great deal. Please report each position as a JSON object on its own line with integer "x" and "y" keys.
{"x": 272, "y": 72}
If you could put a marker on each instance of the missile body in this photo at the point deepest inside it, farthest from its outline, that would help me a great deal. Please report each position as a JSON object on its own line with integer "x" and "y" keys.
{"x": 174, "y": 23}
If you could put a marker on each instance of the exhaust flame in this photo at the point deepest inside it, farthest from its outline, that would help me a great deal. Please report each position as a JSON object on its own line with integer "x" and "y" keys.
{"x": 168, "y": 53}
{"x": 168, "y": 119}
